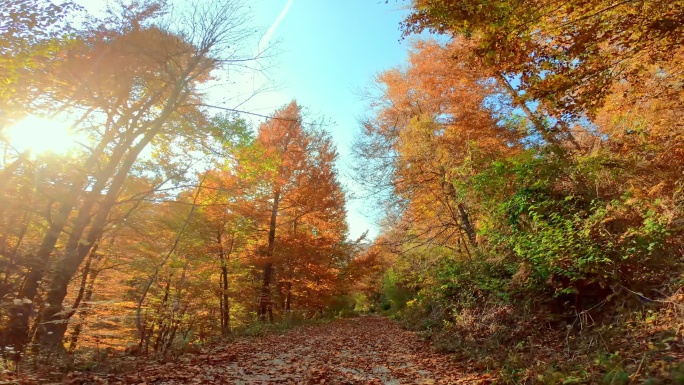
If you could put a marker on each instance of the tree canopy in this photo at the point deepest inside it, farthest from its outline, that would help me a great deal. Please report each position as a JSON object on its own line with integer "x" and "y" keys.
{"x": 527, "y": 159}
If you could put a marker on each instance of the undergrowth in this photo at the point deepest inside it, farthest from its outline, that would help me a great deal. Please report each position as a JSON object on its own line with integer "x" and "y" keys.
{"x": 625, "y": 338}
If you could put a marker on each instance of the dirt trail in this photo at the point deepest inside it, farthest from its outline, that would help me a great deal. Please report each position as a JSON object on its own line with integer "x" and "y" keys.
{"x": 363, "y": 350}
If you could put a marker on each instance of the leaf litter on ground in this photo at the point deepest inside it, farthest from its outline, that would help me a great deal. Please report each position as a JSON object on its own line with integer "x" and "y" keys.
{"x": 362, "y": 350}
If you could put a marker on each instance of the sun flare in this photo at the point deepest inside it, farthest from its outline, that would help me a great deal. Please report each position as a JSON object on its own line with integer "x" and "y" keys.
{"x": 41, "y": 135}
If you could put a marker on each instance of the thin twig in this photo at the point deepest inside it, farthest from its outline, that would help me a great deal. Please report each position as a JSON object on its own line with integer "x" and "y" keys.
{"x": 634, "y": 376}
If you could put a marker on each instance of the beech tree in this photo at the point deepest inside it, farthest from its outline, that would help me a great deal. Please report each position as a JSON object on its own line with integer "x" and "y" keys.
{"x": 567, "y": 56}
{"x": 563, "y": 145}
{"x": 138, "y": 80}
{"x": 432, "y": 117}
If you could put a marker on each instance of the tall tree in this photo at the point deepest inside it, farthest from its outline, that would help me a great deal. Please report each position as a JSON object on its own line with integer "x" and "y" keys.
{"x": 434, "y": 121}
{"x": 284, "y": 141}
{"x": 305, "y": 197}
{"x": 138, "y": 81}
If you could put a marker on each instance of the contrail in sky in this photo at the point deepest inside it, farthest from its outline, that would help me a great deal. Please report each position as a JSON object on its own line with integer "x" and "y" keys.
{"x": 267, "y": 36}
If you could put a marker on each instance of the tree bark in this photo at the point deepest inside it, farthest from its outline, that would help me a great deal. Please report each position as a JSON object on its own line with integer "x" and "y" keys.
{"x": 225, "y": 299}
{"x": 288, "y": 296}
{"x": 76, "y": 333}
{"x": 53, "y": 320}
{"x": 265, "y": 300}
{"x": 467, "y": 224}
{"x": 19, "y": 319}
{"x": 77, "y": 249}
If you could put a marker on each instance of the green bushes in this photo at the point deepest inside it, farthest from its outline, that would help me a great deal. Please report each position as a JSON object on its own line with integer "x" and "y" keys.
{"x": 548, "y": 228}
{"x": 561, "y": 245}
{"x": 397, "y": 290}
{"x": 569, "y": 237}
{"x": 603, "y": 245}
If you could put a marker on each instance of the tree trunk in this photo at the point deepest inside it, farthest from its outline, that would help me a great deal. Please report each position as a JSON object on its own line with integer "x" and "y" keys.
{"x": 9, "y": 170}
{"x": 288, "y": 296}
{"x": 11, "y": 254}
{"x": 160, "y": 315}
{"x": 19, "y": 319}
{"x": 265, "y": 301}
{"x": 54, "y": 322}
{"x": 224, "y": 298}
{"x": 75, "y": 334}
{"x": 77, "y": 249}
{"x": 225, "y": 301}
{"x": 467, "y": 224}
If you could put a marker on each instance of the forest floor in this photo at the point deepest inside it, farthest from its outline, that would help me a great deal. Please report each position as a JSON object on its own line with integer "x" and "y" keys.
{"x": 362, "y": 350}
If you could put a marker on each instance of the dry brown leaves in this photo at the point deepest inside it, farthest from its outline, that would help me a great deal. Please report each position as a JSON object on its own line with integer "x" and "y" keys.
{"x": 364, "y": 350}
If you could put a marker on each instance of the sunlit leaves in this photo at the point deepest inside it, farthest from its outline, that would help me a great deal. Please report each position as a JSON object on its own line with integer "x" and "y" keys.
{"x": 432, "y": 126}
{"x": 565, "y": 55}
{"x": 32, "y": 33}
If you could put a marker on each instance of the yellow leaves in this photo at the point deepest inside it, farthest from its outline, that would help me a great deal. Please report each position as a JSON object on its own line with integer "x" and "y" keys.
{"x": 655, "y": 190}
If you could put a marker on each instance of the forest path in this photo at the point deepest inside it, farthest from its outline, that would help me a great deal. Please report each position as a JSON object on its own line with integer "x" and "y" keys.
{"x": 363, "y": 350}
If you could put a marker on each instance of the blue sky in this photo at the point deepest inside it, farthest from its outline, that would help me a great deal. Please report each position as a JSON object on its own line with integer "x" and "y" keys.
{"x": 329, "y": 51}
